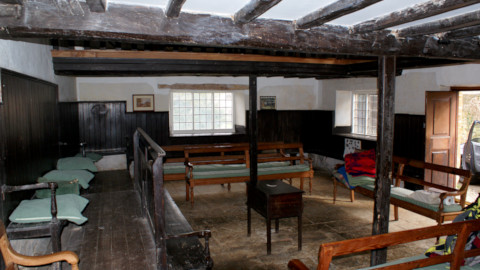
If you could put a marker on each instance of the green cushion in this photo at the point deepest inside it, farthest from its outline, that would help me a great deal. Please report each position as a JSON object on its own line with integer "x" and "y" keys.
{"x": 284, "y": 169}
{"x": 93, "y": 156}
{"x": 273, "y": 164}
{"x": 246, "y": 171}
{"x": 76, "y": 163}
{"x": 178, "y": 167}
{"x": 402, "y": 193}
{"x": 70, "y": 187}
{"x": 221, "y": 174}
{"x": 84, "y": 177}
{"x": 360, "y": 180}
{"x": 70, "y": 207}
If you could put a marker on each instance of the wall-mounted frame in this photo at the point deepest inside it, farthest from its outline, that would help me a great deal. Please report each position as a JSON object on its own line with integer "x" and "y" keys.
{"x": 268, "y": 102}
{"x": 143, "y": 103}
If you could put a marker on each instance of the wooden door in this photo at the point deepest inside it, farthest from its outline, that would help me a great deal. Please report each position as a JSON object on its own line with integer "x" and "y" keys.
{"x": 441, "y": 122}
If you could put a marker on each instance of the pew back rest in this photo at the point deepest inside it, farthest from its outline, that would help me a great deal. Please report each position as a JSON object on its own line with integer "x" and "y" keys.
{"x": 438, "y": 171}
{"x": 284, "y": 152}
{"x": 462, "y": 229}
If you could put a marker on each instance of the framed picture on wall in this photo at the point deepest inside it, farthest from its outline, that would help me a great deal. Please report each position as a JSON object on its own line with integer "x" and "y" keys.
{"x": 143, "y": 103}
{"x": 268, "y": 102}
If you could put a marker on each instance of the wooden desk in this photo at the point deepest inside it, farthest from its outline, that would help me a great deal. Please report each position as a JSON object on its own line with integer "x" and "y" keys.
{"x": 275, "y": 199}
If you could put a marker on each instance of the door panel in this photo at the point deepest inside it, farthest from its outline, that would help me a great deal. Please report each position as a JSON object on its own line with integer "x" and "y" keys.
{"x": 441, "y": 121}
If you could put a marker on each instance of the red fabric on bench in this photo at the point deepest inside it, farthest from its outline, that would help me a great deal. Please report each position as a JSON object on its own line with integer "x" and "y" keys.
{"x": 361, "y": 163}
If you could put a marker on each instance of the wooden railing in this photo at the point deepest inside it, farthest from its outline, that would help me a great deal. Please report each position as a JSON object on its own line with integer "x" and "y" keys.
{"x": 148, "y": 168}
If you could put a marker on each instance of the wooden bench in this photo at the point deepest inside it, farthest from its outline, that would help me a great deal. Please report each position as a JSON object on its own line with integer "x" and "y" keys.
{"x": 401, "y": 197}
{"x": 52, "y": 229}
{"x": 174, "y": 163}
{"x": 461, "y": 229}
{"x": 234, "y": 167}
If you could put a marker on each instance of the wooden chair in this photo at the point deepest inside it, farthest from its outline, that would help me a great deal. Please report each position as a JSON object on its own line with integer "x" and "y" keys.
{"x": 12, "y": 258}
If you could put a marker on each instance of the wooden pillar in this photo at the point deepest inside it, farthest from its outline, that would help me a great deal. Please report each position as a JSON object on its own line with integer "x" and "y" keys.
{"x": 253, "y": 129}
{"x": 385, "y": 125}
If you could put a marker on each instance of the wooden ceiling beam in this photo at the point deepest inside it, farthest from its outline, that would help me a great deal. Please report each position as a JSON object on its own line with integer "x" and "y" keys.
{"x": 10, "y": 10}
{"x": 466, "y": 32}
{"x": 174, "y": 7}
{"x": 443, "y": 25}
{"x": 107, "y": 67}
{"x": 332, "y": 11}
{"x": 69, "y": 7}
{"x": 253, "y": 9}
{"x": 112, "y": 54}
{"x": 410, "y": 14}
{"x": 97, "y": 5}
{"x": 137, "y": 24}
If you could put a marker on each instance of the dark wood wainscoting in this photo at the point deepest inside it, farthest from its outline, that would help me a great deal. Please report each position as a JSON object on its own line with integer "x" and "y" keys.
{"x": 409, "y": 136}
{"x": 28, "y": 132}
{"x": 107, "y": 127}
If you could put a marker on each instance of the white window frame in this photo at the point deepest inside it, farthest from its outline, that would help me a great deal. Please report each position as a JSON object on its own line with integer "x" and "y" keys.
{"x": 194, "y": 131}
{"x": 344, "y": 114}
{"x": 369, "y": 128}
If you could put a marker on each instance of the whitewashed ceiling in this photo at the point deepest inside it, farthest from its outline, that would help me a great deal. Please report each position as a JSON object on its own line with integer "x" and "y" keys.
{"x": 291, "y": 10}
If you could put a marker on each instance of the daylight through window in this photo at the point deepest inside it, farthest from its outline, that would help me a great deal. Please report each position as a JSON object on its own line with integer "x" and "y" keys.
{"x": 365, "y": 114}
{"x": 201, "y": 112}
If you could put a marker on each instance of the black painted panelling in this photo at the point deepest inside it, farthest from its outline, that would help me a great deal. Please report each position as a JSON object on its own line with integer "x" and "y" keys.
{"x": 409, "y": 138}
{"x": 29, "y": 132}
{"x": 69, "y": 128}
{"x": 115, "y": 128}
{"x": 101, "y": 125}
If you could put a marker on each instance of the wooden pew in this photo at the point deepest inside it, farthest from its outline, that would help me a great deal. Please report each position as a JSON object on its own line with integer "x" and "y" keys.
{"x": 462, "y": 229}
{"x": 440, "y": 213}
{"x": 274, "y": 165}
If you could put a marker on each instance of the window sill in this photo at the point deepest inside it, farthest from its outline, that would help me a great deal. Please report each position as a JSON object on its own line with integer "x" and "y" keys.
{"x": 202, "y": 134}
{"x": 358, "y": 136}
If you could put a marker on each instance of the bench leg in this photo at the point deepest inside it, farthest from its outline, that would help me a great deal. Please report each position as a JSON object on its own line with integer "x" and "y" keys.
{"x": 187, "y": 191}
{"x": 269, "y": 236}
{"x": 191, "y": 195}
{"x": 301, "y": 183}
{"x": 352, "y": 195}
{"x": 395, "y": 213}
{"x": 229, "y": 186}
{"x": 56, "y": 232}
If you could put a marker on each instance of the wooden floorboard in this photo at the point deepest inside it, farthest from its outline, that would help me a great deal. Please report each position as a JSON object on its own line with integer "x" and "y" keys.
{"x": 116, "y": 236}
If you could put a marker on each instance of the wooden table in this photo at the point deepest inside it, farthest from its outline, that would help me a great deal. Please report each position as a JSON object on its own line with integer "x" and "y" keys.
{"x": 275, "y": 199}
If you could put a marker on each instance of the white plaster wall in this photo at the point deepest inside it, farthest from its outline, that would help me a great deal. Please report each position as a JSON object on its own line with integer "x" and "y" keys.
{"x": 410, "y": 87}
{"x": 34, "y": 59}
{"x": 292, "y": 94}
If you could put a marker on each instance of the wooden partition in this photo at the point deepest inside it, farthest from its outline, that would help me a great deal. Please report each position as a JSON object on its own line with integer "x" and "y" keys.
{"x": 28, "y": 133}
{"x": 148, "y": 157}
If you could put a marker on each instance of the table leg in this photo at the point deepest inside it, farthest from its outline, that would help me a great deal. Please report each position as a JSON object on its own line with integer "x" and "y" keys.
{"x": 269, "y": 237}
{"x": 249, "y": 216}
{"x": 277, "y": 225}
{"x": 300, "y": 232}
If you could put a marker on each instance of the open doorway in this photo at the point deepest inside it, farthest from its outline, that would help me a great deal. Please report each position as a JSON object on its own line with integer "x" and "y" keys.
{"x": 468, "y": 111}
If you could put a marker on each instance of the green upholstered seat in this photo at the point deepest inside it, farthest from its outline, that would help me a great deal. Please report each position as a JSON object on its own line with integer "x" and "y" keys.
{"x": 403, "y": 193}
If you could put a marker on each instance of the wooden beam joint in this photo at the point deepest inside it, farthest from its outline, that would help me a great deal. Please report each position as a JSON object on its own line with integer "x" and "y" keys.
{"x": 253, "y": 10}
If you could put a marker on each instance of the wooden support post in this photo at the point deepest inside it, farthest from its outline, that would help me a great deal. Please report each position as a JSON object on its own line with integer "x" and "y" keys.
{"x": 253, "y": 130}
{"x": 385, "y": 124}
